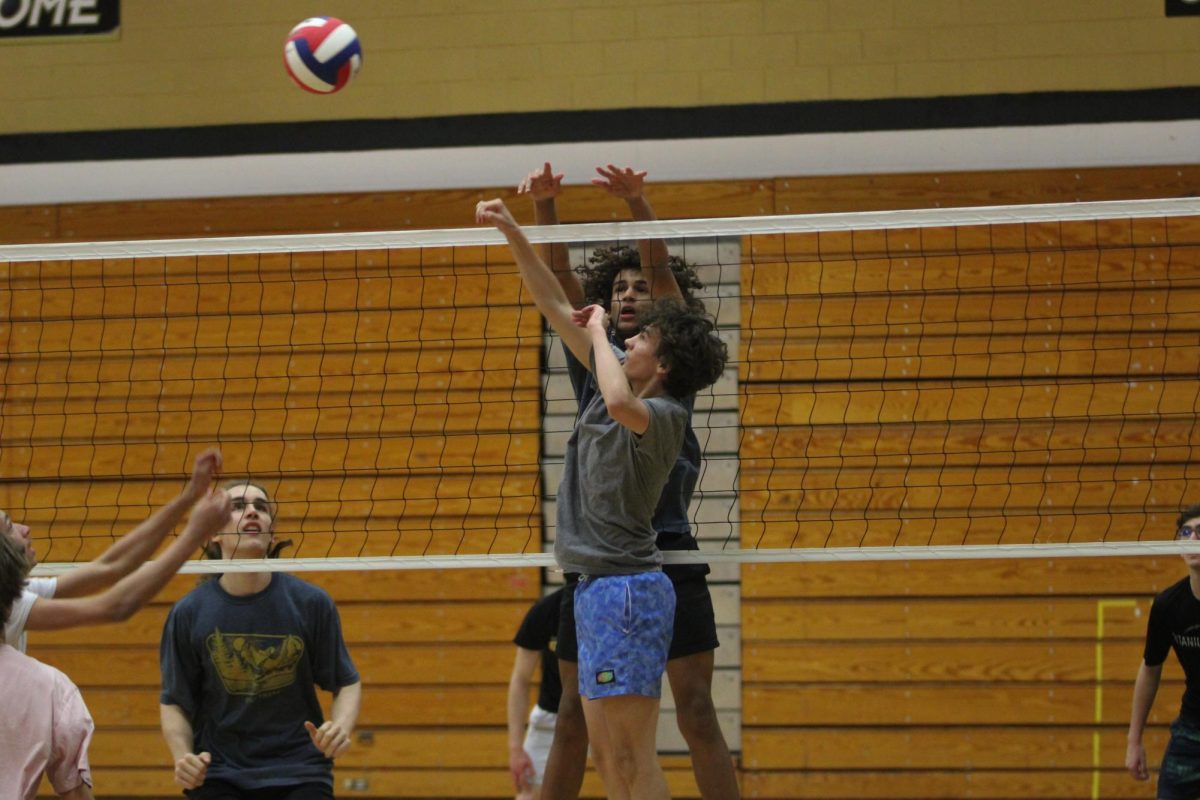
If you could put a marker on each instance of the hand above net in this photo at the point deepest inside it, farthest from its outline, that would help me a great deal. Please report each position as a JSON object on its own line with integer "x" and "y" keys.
{"x": 541, "y": 184}
{"x": 622, "y": 182}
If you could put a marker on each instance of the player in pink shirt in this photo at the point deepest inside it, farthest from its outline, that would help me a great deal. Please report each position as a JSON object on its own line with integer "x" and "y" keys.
{"x": 45, "y": 727}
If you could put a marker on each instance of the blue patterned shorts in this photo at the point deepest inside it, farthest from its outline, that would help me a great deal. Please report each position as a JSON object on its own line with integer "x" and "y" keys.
{"x": 624, "y": 625}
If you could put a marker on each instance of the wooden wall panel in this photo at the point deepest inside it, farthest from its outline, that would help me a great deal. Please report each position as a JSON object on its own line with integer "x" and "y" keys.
{"x": 810, "y": 195}
{"x": 1003, "y": 384}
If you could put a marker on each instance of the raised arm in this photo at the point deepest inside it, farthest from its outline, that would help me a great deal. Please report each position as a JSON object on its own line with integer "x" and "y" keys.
{"x": 628, "y": 185}
{"x": 544, "y": 186}
{"x": 623, "y": 405}
{"x": 132, "y": 549}
{"x": 134, "y": 590}
{"x": 539, "y": 279}
{"x": 1144, "y": 690}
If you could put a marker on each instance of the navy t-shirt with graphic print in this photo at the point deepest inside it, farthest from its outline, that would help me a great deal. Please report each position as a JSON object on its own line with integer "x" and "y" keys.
{"x": 244, "y": 668}
{"x": 1175, "y": 624}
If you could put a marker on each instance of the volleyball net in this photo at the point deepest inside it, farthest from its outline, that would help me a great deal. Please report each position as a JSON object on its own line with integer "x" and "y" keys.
{"x": 957, "y": 383}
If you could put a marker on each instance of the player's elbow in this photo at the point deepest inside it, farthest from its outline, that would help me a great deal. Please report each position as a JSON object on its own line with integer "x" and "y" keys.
{"x": 117, "y": 607}
{"x": 630, "y": 413}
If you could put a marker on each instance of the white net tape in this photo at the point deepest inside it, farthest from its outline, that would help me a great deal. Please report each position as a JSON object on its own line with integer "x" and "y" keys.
{"x": 610, "y": 231}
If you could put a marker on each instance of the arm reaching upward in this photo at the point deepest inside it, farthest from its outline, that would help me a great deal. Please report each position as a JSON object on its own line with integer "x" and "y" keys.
{"x": 134, "y": 590}
{"x": 132, "y": 549}
{"x": 539, "y": 279}
{"x": 623, "y": 405}
{"x": 628, "y": 185}
{"x": 544, "y": 187}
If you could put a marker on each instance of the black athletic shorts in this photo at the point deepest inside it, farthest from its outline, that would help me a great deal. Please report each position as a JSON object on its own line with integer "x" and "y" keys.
{"x": 1179, "y": 775}
{"x": 695, "y": 622}
{"x": 220, "y": 790}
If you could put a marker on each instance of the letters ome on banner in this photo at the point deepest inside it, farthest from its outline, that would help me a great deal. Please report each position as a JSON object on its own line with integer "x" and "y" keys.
{"x": 22, "y": 20}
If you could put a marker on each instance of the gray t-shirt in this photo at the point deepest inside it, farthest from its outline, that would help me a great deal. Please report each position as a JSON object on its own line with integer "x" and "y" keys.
{"x": 612, "y": 479}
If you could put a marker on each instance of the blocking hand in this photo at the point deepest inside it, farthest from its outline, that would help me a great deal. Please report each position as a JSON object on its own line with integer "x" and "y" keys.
{"x": 620, "y": 182}
{"x": 541, "y": 185}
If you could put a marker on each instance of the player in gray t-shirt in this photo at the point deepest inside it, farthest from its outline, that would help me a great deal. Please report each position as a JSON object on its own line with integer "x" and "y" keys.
{"x": 622, "y": 449}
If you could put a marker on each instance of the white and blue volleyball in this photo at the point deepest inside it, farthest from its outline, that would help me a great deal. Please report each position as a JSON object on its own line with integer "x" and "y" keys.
{"x": 322, "y": 54}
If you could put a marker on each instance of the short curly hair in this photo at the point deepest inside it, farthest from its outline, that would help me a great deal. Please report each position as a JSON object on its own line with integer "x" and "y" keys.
{"x": 605, "y": 263}
{"x": 14, "y": 569}
{"x": 1191, "y": 512}
{"x": 688, "y": 346}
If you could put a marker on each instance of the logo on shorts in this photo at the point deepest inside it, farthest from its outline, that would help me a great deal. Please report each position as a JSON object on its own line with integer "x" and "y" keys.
{"x": 606, "y": 676}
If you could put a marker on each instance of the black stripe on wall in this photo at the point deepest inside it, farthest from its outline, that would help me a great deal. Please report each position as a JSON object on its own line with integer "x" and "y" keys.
{"x": 481, "y": 130}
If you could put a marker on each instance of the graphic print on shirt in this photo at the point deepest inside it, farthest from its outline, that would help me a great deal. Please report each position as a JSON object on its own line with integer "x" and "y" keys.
{"x": 1190, "y": 637}
{"x": 254, "y": 664}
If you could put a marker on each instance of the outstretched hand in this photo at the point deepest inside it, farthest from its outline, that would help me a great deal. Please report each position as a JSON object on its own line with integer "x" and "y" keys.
{"x": 331, "y": 739}
{"x": 494, "y": 212}
{"x": 620, "y": 182}
{"x": 205, "y": 470}
{"x": 541, "y": 184}
{"x": 209, "y": 516}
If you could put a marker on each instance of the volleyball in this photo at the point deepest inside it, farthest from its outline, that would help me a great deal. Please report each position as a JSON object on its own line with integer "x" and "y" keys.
{"x": 322, "y": 54}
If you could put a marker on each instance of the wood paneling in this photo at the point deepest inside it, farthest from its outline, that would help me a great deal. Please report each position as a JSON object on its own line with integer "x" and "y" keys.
{"x": 980, "y": 385}
{"x": 950, "y": 704}
{"x": 1129, "y": 578}
{"x": 953, "y": 784}
{"x": 820, "y": 194}
{"x": 385, "y": 782}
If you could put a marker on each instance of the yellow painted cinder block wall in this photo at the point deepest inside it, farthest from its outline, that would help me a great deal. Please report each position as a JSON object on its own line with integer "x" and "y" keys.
{"x": 219, "y": 62}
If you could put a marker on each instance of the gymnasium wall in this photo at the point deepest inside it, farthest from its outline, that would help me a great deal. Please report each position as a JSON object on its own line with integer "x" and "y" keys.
{"x": 998, "y": 679}
{"x": 214, "y": 63}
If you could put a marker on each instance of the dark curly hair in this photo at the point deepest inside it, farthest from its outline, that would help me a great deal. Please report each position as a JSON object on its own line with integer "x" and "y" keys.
{"x": 605, "y": 263}
{"x": 688, "y": 346}
{"x": 14, "y": 568}
{"x": 1191, "y": 512}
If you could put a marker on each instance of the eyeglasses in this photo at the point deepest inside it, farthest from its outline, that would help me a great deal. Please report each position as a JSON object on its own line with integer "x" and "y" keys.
{"x": 1188, "y": 532}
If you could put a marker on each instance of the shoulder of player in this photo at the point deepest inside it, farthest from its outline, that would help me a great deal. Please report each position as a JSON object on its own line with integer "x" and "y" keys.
{"x": 1173, "y": 592}
{"x": 15, "y": 662}
{"x": 301, "y": 589}
{"x": 196, "y": 597}
{"x": 547, "y": 604}
{"x": 42, "y": 587}
{"x": 669, "y": 407}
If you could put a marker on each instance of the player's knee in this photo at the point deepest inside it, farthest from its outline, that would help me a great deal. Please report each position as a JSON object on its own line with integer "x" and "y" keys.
{"x": 697, "y": 716}
{"x": 571, "y": 725}
{"x": 622, "y": 759}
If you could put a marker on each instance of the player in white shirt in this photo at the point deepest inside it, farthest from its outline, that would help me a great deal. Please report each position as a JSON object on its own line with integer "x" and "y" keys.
{"x": 75, "y": 597}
